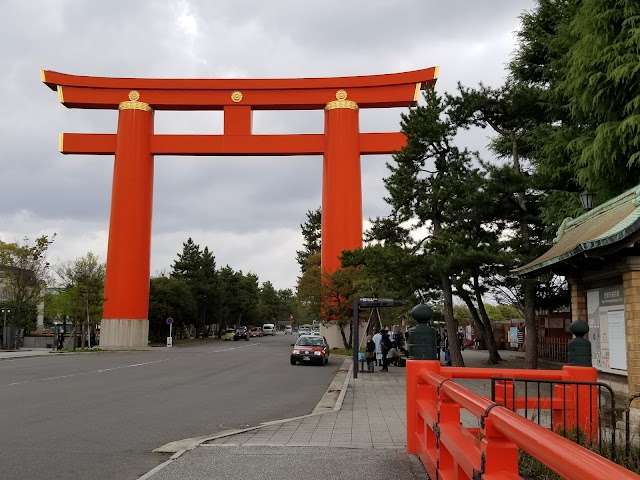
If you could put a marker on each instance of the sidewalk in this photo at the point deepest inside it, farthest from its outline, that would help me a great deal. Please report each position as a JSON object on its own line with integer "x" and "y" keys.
{"x": 366, "y": 438}
{"x": 24, "y": 353}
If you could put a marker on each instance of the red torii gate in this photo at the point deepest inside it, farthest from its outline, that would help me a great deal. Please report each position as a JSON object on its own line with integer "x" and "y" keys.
{"x": 125, "y": 317}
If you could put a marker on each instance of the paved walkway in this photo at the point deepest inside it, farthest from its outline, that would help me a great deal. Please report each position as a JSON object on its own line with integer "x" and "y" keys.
{"x": 366, "y": 438}
{"x": 372, "y": 416}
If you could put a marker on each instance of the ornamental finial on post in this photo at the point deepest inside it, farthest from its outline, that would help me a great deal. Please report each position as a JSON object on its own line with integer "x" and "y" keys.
{"x": 422, "y": 337}
{"x": 579, "y": 348}
{"x": 134, "y": 104}
{"x": 341, "y": 102}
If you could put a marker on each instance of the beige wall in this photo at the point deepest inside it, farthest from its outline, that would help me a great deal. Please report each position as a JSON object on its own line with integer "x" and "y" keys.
{"x": 578, "y": 301}
{"x": 332, "y": 333}
{"x": 631, "y": 284}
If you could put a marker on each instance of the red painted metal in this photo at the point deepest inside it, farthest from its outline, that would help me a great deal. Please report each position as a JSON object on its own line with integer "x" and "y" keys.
{"x": 449, "y": 450}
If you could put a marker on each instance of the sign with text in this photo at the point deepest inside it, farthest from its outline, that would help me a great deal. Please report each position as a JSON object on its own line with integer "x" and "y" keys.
{"x": 380, "y": 302}
{"x": 607, "y": 332}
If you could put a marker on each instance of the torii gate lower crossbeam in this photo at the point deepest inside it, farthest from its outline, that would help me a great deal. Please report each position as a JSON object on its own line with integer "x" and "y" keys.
{"x": 125, "y": 316}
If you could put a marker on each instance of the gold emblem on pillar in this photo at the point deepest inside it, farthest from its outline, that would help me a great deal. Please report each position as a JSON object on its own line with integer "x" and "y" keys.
{"x": 236, "y": 96}
{"x": 341, "y": 102}
{"x": 134, "y": 104}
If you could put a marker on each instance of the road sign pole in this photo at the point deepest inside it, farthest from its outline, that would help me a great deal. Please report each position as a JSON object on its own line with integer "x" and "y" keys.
{"x": 170, "y": 337}
{"x": 355, "y": 340}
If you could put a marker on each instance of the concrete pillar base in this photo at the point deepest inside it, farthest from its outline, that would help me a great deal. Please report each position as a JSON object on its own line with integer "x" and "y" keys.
{"x": 124, "y": 334}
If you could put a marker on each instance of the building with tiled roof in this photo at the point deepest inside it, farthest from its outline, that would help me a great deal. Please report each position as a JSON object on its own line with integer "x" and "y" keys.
{"x": 599, "y": 255}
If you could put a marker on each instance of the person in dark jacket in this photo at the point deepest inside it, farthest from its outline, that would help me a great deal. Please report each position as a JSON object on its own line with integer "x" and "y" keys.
{"x": 387, "y": 344}
{"x": 370, "y": 353}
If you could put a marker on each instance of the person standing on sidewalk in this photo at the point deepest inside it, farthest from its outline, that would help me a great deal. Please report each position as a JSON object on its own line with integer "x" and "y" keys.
{"x": 386, "y": 346}
{"x": 377, "y": 340}
{"x": 370, "y": 354}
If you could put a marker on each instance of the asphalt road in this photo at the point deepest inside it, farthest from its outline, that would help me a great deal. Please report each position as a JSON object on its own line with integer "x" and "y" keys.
{"x": 99, "y": 415}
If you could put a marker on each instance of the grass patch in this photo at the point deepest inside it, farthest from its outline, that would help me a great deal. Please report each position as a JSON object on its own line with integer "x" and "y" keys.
{"x": 344, "y": 351}
{"x": 531, "y": 469}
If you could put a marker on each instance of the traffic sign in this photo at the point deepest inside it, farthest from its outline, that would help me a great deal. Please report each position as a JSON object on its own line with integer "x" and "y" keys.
{"x": 169, "y": 321}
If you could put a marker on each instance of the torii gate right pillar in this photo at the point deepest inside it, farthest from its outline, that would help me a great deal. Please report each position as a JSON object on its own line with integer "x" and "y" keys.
{"x": 341, "y": 182}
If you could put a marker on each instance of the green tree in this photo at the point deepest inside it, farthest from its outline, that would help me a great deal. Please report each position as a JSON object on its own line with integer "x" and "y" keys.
{"x": 269, "y": 303}
{"x": 603, "y": 95}
{"x": 198, "y": 269}
{"x": 24, "y": 275}
{"x": 82, "y": 295}
{"x": 170, "y": 297}
{"x": 309, "y": 289}
{"x": 312, "y": 235}
{"x": 581, "y": 56}
{"x": 511, "y": 111}
{"x": 430, "y": 187}
{"x": 286, "y": 304}
{"x": 239, "y": 298}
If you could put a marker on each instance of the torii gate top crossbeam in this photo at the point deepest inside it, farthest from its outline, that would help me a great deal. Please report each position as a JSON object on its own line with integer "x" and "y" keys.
{"x": 371, "y": 91}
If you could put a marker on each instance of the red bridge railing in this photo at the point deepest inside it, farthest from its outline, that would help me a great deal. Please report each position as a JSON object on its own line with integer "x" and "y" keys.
{"x": 450, "y": 450}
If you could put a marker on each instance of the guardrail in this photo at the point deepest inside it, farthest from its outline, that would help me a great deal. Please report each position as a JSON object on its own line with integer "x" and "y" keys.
{"x": 450, "y": 450}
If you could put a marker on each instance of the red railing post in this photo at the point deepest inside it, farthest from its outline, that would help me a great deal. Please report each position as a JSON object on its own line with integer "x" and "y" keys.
{"x": 584, "y": 401}
{"x": 416, "y": 392}
{"x": 412, "y": 369}
{"x": 449, "y": 416}
{"x": 500, "y": 454}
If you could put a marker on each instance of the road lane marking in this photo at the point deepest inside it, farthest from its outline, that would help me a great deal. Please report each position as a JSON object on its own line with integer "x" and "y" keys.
{"x": 103, "y": 370}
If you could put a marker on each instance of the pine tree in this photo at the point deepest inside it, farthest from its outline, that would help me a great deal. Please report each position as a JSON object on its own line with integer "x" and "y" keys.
{"x": 312, "y": 234}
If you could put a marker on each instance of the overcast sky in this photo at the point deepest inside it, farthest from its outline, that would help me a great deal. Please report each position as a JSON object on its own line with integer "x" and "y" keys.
{"x": 247, "y": 210}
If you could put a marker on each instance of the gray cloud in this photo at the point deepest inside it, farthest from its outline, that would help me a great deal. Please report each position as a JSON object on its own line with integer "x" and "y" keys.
{"x": 248, "y": 210}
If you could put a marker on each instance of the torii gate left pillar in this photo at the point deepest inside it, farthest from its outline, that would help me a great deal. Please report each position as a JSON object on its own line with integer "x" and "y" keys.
{"x": 125, "y": 316}
{"x": 125, "y": 321}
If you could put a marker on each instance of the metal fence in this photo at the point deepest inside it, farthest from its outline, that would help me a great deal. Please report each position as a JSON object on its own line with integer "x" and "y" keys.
{"x": 584, "y": 412}
{"x": 449, "y": 449}
{"x": 553, "y": 348}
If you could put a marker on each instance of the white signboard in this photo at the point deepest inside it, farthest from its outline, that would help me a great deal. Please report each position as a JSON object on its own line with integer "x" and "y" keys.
{"x": 617, "y": 341}
{"x": 605, "y": 313}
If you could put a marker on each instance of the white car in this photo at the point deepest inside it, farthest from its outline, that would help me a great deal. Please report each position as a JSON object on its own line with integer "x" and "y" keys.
{"x": 304, "y": 331}
{"x": 268, "y": 329}
{"x": 288, "y": 330}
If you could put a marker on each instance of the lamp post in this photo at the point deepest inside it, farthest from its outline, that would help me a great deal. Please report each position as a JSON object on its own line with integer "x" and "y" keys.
{"x": 587, "y": 198}
{"x": 4, "y": 326}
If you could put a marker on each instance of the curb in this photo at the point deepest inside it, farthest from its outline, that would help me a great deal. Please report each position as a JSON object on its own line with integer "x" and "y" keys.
{"x": 345, "y": 386}
{"x": 19, "y": 357}
{"x": 194, "y": 442}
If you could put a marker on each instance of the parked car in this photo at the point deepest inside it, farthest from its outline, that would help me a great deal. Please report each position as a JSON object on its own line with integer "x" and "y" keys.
{"x": 241, "y": 332}
{"x": 255, "y": 332}
{"x": 304, "y": 330}
{"x": 268, "y": 329}
{"x": 288, "y": 330}
{"x": 310, "y": 349}
{"x": 229, "y": 334}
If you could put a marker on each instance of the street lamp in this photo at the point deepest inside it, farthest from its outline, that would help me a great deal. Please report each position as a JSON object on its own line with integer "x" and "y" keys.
{"x": 587, "y": 198}
{"x": 4, "y": 326}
